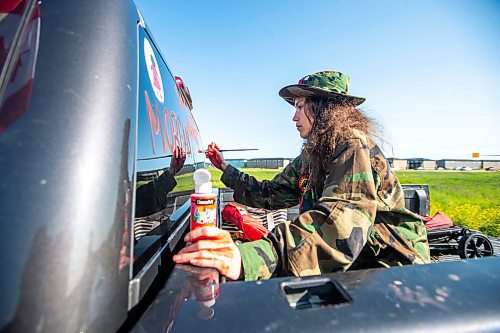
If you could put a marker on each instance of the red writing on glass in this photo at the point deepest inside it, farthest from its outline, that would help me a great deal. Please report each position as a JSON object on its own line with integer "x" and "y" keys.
{"x": 171, "y": 129}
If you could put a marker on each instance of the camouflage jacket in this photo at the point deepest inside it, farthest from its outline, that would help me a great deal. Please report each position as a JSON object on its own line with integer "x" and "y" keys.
{"x": 358, "y": 221}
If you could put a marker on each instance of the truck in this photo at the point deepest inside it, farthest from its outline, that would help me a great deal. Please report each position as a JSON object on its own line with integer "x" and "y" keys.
{"x": 89, "y": 113}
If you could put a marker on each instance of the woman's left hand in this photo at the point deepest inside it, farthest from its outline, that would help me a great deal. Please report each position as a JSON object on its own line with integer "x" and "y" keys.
{"x": 211, "y": 247}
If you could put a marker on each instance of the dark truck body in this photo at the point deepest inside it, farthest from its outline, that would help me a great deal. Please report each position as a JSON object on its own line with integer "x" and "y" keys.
{"x": 86, "y": 99}
{"x": 76, "y": 89}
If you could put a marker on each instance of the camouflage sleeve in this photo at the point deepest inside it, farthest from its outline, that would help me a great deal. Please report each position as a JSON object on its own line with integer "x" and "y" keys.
{"x": 260, "y": 259}
{"x": 329, "y": 237}
{"x": 280, "y": 192}
{"x": 151, "y": 197}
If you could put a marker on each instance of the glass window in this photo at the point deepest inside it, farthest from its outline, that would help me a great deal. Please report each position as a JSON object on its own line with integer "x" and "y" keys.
{"x": 165, "y": 126}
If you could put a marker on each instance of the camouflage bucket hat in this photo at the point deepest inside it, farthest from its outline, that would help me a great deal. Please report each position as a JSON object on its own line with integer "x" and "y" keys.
{"x": 325, "y": 84}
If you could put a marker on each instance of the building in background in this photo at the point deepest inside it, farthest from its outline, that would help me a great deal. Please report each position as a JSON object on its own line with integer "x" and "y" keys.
{"x": 491, "y": 164}
{"x": 398, "y": 163}
{"x": 421, "y": 163}
{"x": 268, "y": 163}
{"x": 237, "y": 163}
{"x": 451, "y": 164}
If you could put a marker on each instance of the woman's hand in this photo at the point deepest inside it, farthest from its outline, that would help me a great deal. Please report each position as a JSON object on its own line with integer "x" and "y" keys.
{"x": 211, "y": 247}
{"x": 215, "y": 156}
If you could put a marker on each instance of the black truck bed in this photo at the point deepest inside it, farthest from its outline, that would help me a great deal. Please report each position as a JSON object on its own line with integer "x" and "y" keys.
{"x": 450, "y": 296}
{"x": 443, "y": 297}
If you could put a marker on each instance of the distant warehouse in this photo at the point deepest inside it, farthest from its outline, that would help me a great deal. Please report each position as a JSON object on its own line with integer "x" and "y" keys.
{"x": 421, "y": 163}
{"x": 398, "y": 163}
{"x": 268, "y": 163}
{"x": 237, "y": 163}
{"x": 491, "y": 164}
{"x": 473, "y": 164}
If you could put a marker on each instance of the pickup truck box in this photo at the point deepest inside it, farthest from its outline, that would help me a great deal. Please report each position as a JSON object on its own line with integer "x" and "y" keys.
{"x": 89, "y": 114}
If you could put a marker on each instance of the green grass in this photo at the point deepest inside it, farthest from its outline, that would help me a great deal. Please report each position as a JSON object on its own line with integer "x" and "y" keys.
{"x": 470, "y": 199}
{"x": 185, "y": 181}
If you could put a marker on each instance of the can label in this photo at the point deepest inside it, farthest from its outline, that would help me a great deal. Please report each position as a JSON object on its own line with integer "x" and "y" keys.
{"x": 203, "y": 210}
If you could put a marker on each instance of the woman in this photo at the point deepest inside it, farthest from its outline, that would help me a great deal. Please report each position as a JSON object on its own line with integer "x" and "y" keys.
{"x": 351, "y": 203}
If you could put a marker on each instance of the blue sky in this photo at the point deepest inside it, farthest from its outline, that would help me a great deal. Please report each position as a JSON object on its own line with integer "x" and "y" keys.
{"x": 430, "y": 70}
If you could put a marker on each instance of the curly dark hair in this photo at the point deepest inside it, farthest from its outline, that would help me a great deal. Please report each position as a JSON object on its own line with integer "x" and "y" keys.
{"x": 333, "y": 122}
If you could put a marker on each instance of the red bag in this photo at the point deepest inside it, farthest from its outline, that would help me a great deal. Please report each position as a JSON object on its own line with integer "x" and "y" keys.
{"x": 239, "y": 216}
{"x": 439, "y": 220}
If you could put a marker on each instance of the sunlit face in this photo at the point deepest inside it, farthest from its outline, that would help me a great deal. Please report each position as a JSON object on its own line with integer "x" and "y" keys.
{"x": 302, "y": 121}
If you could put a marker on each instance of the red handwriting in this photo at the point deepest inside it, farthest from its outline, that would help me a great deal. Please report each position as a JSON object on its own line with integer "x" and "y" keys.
{"x": 173, "y": 132}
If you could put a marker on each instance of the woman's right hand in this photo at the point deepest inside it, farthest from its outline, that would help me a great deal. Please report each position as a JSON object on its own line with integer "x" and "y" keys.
{"x": 215, "y": 156}
{"x": 211, "y": 247}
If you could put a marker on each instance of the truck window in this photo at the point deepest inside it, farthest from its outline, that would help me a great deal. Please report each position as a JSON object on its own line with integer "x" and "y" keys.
{"x": 164, "y": 123}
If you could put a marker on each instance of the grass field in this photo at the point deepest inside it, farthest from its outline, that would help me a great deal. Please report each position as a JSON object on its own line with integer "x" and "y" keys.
{"x": 470, "y": 199}
{"x": 185, "y": 182}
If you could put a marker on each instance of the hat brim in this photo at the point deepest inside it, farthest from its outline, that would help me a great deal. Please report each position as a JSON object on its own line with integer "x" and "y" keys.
{"x": 289, "y": 93}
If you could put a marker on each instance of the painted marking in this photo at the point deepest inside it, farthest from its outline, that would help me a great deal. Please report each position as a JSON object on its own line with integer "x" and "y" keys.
{"x": 153, "y": 71}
